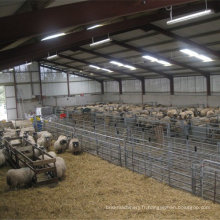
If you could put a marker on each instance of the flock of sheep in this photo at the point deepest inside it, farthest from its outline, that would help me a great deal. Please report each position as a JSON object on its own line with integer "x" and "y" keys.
{"x": 41, "y": 140}
{"x": 197, "y": 116}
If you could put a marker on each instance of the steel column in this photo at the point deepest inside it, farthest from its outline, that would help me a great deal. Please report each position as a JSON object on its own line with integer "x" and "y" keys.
{"x": 41, "y": 93}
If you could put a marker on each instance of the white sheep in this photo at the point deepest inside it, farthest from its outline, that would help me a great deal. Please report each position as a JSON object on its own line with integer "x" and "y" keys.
{"x": 44, "y": 142}
{"x": 60, "y": 144}
{"x": 60, "y": 167}
{"x": 74, "y": 146}
{"x": 51, "y": 153}
{"x": 172, "y": 113}
{"x": 210, "y": 113}
{"x": 19, "y": 177}
{"x": 31, "y": 140}
{"x": 44, "y": 133}
{"x": 28, "y": 130}
{"x": 38, "y": 152}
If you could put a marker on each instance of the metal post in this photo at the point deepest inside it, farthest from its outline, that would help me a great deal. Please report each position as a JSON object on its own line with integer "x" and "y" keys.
{"x": 68, "y": 84}
{"x": 41, "y": 93}
{"x": 215, "y": 187}
{"x": 15, "y": 88}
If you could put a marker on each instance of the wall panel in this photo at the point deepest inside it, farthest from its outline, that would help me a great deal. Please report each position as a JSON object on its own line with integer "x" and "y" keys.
{"x": 157, "y": 85}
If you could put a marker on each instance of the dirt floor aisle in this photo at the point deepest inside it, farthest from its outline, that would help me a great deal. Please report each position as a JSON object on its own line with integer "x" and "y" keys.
{"x": 96, "y": 189}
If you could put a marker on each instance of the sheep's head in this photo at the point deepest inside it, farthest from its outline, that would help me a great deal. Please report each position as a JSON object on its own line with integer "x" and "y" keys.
{"x": 62, "y": 142}
{"x": 47, "y": 139}
{"x": 75, "y": 144}
{"x": 18, "y": 132}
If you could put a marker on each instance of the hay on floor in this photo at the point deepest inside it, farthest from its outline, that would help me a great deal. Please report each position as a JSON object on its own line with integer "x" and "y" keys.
{"x": 96, "y": 189}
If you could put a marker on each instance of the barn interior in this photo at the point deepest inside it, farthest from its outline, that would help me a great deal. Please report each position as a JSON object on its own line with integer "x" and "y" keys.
{"x": 110, "y": 104}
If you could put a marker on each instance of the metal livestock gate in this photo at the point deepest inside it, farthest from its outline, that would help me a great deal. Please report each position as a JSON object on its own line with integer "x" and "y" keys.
{"x": 195, "y": 169}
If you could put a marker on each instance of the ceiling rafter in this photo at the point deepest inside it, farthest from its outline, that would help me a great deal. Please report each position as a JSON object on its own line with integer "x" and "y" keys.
{"x": 20, "y": 55}
{"x": 183, "y": 39}
{"x": 126, "y": 62}
{"x": 70, "y": 67}
{"x": 51, "y": 20}
{"x": 156, "y": 55}
{"x": 88, "y": 63}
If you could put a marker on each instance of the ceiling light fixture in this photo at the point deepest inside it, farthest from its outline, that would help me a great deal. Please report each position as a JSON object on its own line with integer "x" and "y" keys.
{"x": 95, "y": 67}
{"x": 99, "y": 68}
{"x": 191, "y": 16}
{"x": 11, "y": 69}
{"x": 53, "y": 36}
{"x": 153, "y": 59}
{"x": 52, "y": 57}
{"x": 94, "y": 26}
{"x": 123, "y": 65}
{"x": 107, "y": 70}
{"x": 100, "y": 42}
{"x": 192, "y": 53}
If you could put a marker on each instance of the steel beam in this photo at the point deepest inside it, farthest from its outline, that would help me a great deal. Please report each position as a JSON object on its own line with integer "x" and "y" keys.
{"x": 208, "y": 85}
{"x": 102, "y": 88}
{"x": 156, "y": 55}
{"x": 52, "y": 20}
{"x": 111, "y": 58}
{"x": 20, "y": 55}
{"x": 126, "y": 62}
{"x": 120, "y": 87}
{"x": 184, "y": 40}
{"x": 68, "y": 84}
{"x": 143, "y": 86}
{"x": 16, "y": 94}
{"x": 171, "y": 86}
{"x": 69, "y": 71}
{"x": 41, "y": 91}
{"x": 87, "y": 63}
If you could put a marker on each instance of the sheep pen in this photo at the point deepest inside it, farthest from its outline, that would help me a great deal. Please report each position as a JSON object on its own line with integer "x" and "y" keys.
{"x": 93, "y": 188}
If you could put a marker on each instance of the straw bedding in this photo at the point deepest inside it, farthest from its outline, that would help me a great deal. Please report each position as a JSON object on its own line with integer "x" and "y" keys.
{"x": 96, "y": 189}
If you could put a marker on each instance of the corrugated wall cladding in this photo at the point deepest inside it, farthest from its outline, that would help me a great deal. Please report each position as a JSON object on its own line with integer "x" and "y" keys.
{"x": 193, "y": 84}
{"x": 85, "y": 87}
{"x": 157, "y": 85}
{"x": 111, "y": 86}
{"x": 215, "y": 84}
{"x": 131, "y": 86}
{"x": 6, "y": 78}
{"x": 53, "y": 76}
{"x": 54, "y": 89}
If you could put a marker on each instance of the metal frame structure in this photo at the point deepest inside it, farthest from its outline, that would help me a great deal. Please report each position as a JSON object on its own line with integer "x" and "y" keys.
{"x": 196, "y": 170}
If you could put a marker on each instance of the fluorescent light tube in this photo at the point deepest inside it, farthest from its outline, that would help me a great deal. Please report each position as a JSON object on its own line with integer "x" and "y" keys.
{"x": 52, "y": 57}
{"x": 53, "y": 36}
{"x": 130, "y": 67}
{"x": 100, "y": 42}
{"x": 122, "y": 65}
{"x": 27, "y": 64}
{"x": 107, "y": 70}
{"x": 192, "y": 53}
{"x": 164, "y": 63}
{"x": 95, "y": 67}
{"x": 153, "y": 59}
{"x": 11, "y": 69}
{"x": 99, "y": 68}
{"x": 116, "y": 63}
{"x": 94, "y": 26}
{"x": 191, "y": 16}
